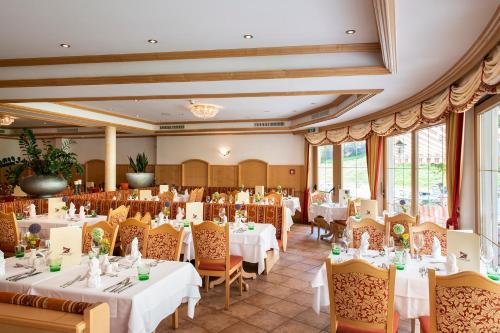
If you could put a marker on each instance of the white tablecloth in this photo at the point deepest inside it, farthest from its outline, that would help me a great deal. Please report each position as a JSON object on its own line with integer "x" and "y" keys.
{"x": 330, "y": 211}
{"x": 411, "y": 291}
{"x": 47, "y": 223}
{"x": 293, "y": 203}
{"x": 138, "y": 309}
{"x": 252, "y": 245}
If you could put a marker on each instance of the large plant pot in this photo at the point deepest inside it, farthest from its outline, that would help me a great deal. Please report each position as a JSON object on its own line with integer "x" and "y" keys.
{"x": 140, "y": 179}
{"x": 43, "y": 186}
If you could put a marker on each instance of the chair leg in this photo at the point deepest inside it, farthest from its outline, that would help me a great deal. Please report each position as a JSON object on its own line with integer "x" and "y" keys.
{"x": 175, "y": 319}
{"x": 312, "y": 227}
{"x": 241, "y": 280}
{"x": 207, "y": 283}
{"x": 319, "y": 230}
{"x": 227, "y": 286}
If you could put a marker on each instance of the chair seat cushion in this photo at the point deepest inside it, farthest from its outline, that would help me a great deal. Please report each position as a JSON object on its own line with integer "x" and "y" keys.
{"x": 233, "y": 261}
{"x": 425, "y": 324}
{"x": 346, "y": 328}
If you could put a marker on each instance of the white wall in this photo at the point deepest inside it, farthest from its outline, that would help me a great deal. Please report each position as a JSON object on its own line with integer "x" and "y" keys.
{"x": 467, "y": 197}
{"x": 9, "y": 147}
{"x": 272, "y": 148}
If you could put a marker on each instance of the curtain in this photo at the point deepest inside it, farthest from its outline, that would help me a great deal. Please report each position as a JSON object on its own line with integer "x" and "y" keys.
{"x": 454, "y": 157}
{"x": 374, "y": 149}
{"x": 305, "y": 209}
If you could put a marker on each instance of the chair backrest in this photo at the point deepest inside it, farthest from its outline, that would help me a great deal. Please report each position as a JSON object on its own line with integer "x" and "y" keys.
{"x": 138, "y": 216}
{"x": 167, "y": 196}
{"x": 404, "y": 219}
{"x": 146, "y": 219}
{"x": 276, "y": 197}
{"x": 192, "y": 195}
{"x": 131, "y": 229}
{"x": 164, "y": 242}
{"x": 110, "y": 233}
{"x": 211, "y": 243}
{"x": 463, "y": 302}
{"x": 318, "y": 197}
{"x": 351, "y": 208}
{"x": 377, "y": 232}
{"x": 199, "y": 195}
{"x": 118, "y": 215}
{"x": 225, "y": 196}
{"x": 9, "y": 234}
{"x": 429, "y": 230}
{"x": 361, "y": 295}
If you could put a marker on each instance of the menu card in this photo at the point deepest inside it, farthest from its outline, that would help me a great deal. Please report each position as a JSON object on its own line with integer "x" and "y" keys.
{"x": 194, "y": 211}
{"x": 163, "y": 188}
{"x": 343, "y": 197}
{"x": 259, "y": 189}
{"x": 243, "y": 198}
{"x": 369, "y": 208}
{"x": 67, "y": 243}
{"x": 145, "y": 195}
{"x": 55, "y": 205}
{"x": 465, "y": 245}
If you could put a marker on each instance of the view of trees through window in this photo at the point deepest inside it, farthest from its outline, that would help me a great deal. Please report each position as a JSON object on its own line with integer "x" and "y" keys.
{"x": 399, "y": 172}
{"x": 325, "y": 168}
{"x": 354, "y": 169}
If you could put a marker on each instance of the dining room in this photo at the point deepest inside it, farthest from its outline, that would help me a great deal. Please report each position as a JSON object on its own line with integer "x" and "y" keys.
{"x": 194, "y": 166}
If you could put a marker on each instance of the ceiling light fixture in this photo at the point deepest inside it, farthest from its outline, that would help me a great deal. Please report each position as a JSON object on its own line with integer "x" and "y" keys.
{"x": 248, "y": 36}
{"x": 65, "y": 46}
{"x": 152, "y": 41}
{"x": 204, "y": 111}
{"x": 350, "y": 32}
{"x": 6, "y": 120}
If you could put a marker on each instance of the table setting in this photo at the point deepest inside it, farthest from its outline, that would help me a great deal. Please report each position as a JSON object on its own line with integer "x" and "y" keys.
{"x": 330, "y": 211}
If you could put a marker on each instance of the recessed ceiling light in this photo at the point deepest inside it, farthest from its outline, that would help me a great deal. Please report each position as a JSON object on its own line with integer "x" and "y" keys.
{"x": 152, "y": 41}
{"x": 64, "y": 45}
{"x": 267, "y": 111}
{"x": 350, "y": 32}
{"x": 248, "y": 36}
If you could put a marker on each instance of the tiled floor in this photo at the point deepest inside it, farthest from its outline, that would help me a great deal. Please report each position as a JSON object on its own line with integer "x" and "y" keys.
{"x": 278, "y": 302}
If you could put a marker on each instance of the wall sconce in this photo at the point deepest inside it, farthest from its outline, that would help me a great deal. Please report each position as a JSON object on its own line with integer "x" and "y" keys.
{"x": 225, "y": 152}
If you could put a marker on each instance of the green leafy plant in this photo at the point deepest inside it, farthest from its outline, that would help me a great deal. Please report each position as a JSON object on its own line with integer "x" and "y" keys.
{"x": 42, "y": 161}
{"x": 140, "y": 163}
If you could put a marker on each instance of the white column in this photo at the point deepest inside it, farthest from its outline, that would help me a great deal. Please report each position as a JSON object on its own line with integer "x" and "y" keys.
{"x": 110, "y": 161}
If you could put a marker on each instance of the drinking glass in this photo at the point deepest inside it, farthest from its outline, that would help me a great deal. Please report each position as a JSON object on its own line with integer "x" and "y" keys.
{"x": 388, "y": 245}
{"x": 222, "y": 213}
{"x": 486, "y": 253}
{"x": 418, "y": 243}
{"x": 96, "y": 247}
{"x": 251, "y": 226}
{"x": 143, "y": 272}
{"x": 86, "y": 206}
{"x": 347, "y": 238}
{"x": 19, "y": 250}
{"x": 207, "y": 199}
{"x": 26, "y": 211}
{"x": 55, "y": 263}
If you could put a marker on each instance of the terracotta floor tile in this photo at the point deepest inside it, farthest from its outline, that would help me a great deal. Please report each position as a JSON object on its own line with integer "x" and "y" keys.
{"x": 242, "y": 327}
{"x": 301, "y": 298}
{"x": 242, "y": 310}
{"x": 274, "y": 277}
{"x": 309, "y": 317}
{"x": 215, "y": 322}
{"x": 295, "y": 327}
{"x": 286, "y": 308}
{"x": 300, "y": 266}
{"x": 266, "y": 320}
{"x": 279, "y": 291}
{"x": 261, "y": 300}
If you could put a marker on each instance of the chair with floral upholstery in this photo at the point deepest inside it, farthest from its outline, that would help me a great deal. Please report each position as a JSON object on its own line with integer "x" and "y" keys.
{"x": 276, "y": 197}
{"x": 131, "y": 229}
{"x": 9, "y": 234}
{"x": 164, "y": 242}
{"x": 146, "y": 219}
{"x": 462, "y": 302}
{"x": 361, "y": 297}
{"x": 118, "y": 215}
{"x": 199, "y": 195}
{"x": 212, "y": 257}
{"x": 110, "y": 233}
{"x": 376, "y": 231}
{"x": 138, "y": 216}
{"x": 404, "y": 219}
{"x": 338, "y": 226}
{"x": 192, "y": 195}
{"x": 429, "y": 230}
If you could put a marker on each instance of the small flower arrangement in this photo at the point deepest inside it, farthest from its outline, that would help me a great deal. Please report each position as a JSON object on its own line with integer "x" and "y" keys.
{"x": 403, "y": 205}
{"x": 216, "y": 197}
{"x": 97, "y": 234}
{"x": 242, "y": 188}
{"x": 98, "y": 238}
{"x": 239, "y": 212}
{"x": 134, "y": 195}
{"x": 32, "y": 238}
{"x": 257, "y": 197}
{"x": 166, "y": 210}
{"x": 104, "y": 249}
{"x": 404, "y": 237}
{"x": 279, "y": 189}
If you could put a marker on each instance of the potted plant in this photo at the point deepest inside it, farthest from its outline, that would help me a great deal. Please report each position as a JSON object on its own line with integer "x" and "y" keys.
{"x": 51, "y": 167}
{"x": 139, "y": 178}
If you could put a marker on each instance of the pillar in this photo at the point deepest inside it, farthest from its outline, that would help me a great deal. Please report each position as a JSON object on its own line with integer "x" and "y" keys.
{"x": 110, "y": 159}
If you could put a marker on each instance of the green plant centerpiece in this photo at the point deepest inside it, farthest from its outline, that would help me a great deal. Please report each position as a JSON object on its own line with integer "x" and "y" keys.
{"x": 139, "y": 178}
{"x": 51, "y": 167}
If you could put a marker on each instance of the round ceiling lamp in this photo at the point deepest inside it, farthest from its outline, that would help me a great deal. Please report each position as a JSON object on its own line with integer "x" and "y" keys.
{"x": 204, "y": 111}
{"x": 6, "y": 120}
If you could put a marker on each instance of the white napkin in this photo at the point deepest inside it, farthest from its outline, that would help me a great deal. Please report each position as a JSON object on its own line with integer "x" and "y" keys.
{"x": 451, "y": 264}
{"x": 114, "y": 198}
{"x": 176, "y": 197}
{"x": 81, "y": 214}
{"x": 436, "y": 248}
{"x": 266, "y": 201}
{"x": 365, "y": 244}
{"x": 156, "y": 198}
{"x": 32, "y": 210}
{"x": 180, "y": 214}
{"x": 221, "y": 200}
{"x": 161, "y": 218}
{"x": 71, "y": 210}
{"x": 94, "y": 274}
{"x": 32, "y": 257}
{"x": 134, "y": 251}
{"x": 357, "y": 254}
{"x": 105, "y": 263}
{"x": 407, "y": 258}
{"x": 2, "y": 263}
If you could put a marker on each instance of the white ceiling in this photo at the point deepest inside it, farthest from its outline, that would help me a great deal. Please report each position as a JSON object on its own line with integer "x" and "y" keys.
{"x": 431, "y": 37}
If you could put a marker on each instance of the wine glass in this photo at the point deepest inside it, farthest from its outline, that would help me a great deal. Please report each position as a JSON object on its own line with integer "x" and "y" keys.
{"x": 418, "y": 243}
{"x": 222, "y": 213}
{"x": 96, "y": 247}
{"x": 86, "y": 206}
{"x": 244, "y": 216}
{"x": 347, "y": 238}
{"x": 389, "y": 245}
{"x": 486, "y": 253}
{"x": 26, "y": 211}
{"x": 207, "y": 199}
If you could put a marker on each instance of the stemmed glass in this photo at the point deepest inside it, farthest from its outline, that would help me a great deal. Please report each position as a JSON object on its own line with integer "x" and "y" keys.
{"x": 347, "y": 238}
{"x": 486, "y": 253}
{"x": 26, "y": 211}
{"x": 222, "y": 213}
{"x": 418, "y": 243}
{"x": 87, "y": 207}
{"x": 207, "y": 199}
{"x": 388, "y": 245}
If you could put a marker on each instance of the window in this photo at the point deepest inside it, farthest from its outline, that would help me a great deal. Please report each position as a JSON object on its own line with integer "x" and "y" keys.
{"x": 489, "y": 174}
{"x": 431, "y": 174}
{"x": 325, "y": 168}
{"x": 399, "y": 172}
{"x": 354, "y": 170}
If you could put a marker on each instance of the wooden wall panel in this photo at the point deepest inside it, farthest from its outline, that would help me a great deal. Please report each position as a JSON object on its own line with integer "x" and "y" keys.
{"x": 168, "y": 174}
{"x": 280, "y": 175}
{"x": 252, "y": 173}
{"x": 194, "y": 173}
{"x": 94, "y": 172}
{"x": 223, "y": 176}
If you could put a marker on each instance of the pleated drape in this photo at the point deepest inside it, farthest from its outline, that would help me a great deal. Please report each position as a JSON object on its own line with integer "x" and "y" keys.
{"x": 305, "y": 210}
{"x": 454, "y": 163}
{"x": 374, "y": 151}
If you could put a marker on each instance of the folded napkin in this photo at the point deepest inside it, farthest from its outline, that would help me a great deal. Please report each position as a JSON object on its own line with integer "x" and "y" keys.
{"x": 161, "y": 218}
{"x": 451, "y": 264}
{"x": 180, "y": 214}
{"x": 94, "y": 274}
{"x": 134, "y": 251}
{"x": 357, "y": 254}
{"x": 81, "y": 214}
{"x": 71, "y": 210}
{"x": 365, "y": 244}
{"x": 2, "y": 263}
{"x": 407, "y": 258}
{"x": 32, "y": 210}
{"x": 176, "y": 197}
{"x": 105, "y": 263}
{"x": 436, "y": 248}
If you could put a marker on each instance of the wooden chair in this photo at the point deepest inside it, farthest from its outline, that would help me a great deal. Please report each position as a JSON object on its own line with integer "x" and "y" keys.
{"x": 462, "y": 302}
{"x": 192, "y": 195}
{"x": 110, "y": 233}
{"x": 405, "y": 220}
{"x": 199, "y": 195}
{"x": 225, "y": 196}
{"x": 319, "y": 222}
{"x": 23, "y": 313}
{"x": 338, "y": 226}
{"x": 131, "y": 229}
{"x": 430, "y": 230}
{"x": 118, "y": 215}
{"x": 164, "y": 242}
{"x": 376, "y": 231}
{"x": 9, "y": 233}
{"x": 211, "y": 246}
{"x": 138, "y": 216}
{"x": 276, "y": 197}
{"x": 167, "y": 196}
{"x": 146, "y": 219}
{"x": 361, "y": 297}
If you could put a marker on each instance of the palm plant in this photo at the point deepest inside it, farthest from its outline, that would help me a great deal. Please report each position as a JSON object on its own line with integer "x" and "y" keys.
{"x": 45, "y": 161}
{"x": 140, "y": 163}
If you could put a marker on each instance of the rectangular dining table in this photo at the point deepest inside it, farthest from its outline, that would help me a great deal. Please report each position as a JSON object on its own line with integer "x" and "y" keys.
{"x": 137, "y": 309}
{"x": 55, "y": 222}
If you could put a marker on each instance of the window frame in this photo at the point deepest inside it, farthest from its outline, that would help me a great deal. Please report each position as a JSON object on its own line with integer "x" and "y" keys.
{"x": 356, "y": 167}
{"x": 317, "y": 167}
